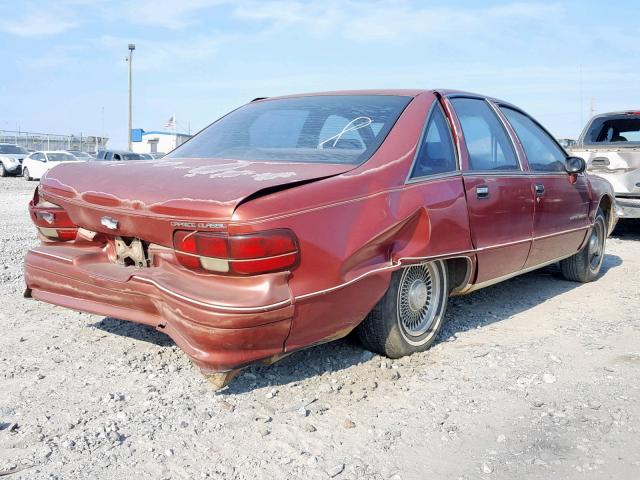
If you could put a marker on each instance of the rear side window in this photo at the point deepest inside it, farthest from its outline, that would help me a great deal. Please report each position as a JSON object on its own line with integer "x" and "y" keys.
{"x": 313, "y": 129}
{"x": 543, "y": 154}
{"x": 489, "y": 147}
{"x": 436, "y": 154}
{"x": 108, "y": 156}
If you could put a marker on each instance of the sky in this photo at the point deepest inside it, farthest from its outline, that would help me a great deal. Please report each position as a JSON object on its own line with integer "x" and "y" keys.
{"x": 63, "y": 66}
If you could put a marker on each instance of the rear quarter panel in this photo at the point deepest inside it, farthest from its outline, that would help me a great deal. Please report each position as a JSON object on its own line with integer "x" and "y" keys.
{"x": 355, "y": 228}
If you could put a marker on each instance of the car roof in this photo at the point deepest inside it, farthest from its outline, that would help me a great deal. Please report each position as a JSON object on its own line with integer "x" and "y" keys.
{"x": 445, "y": 92}
{"x": 51, "y": 151}
{"x": 621, "y": 112}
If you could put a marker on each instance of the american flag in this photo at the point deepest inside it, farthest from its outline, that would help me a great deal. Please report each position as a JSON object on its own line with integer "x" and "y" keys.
{"x": 171, "y": 123}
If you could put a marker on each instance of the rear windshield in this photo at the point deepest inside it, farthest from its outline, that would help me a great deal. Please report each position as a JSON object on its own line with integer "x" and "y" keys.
{"x": 9, "y": 149}
{"x": 315, "y": 129}
{"x": 614, "y": 129}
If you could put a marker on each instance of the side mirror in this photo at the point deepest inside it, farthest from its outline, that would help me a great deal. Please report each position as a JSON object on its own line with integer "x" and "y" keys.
{"x": 575, "y": 165}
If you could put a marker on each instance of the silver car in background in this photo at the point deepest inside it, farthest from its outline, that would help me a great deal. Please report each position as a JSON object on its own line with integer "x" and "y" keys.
{"x": 11, "y": 157}
{"x": 610, "y": 144}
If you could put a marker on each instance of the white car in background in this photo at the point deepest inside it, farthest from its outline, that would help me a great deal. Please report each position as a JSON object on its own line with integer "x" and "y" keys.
{"x": 36, "y": 164}
{"x": 11, "y": 157}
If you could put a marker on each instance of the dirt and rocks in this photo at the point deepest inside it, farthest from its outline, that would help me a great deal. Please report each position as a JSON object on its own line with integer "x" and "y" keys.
{"x": 536, "y": 377}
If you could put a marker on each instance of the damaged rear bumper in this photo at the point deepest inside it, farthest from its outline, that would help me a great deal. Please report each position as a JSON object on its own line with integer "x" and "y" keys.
{"x": 221, "y": 324}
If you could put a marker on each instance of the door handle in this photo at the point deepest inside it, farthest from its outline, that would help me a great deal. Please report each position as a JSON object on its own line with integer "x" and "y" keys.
{"x": 539, "y": 189}
{"x": 482, "y": 191}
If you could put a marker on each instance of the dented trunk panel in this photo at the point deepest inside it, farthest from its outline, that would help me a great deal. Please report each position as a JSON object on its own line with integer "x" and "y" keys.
{"x": 168, "y": 194}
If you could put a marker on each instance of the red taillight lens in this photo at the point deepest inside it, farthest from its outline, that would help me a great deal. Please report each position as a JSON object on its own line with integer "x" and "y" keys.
{"x": 261, "y": 265}
{"x": 256, "y": 253}
{"x": 265, "y": 244}
{"x": 52, "y": 221}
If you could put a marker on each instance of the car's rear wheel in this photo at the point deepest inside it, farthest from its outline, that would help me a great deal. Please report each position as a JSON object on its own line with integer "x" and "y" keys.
{"x": 409, "y": 316}
{"x": 585, "y": 265}
{"x": 25, "y": 174}
{"x": 3, "y": 171}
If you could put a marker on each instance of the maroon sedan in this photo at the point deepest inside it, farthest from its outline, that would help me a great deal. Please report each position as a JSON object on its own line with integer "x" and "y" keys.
{"x": 292, "y": 221}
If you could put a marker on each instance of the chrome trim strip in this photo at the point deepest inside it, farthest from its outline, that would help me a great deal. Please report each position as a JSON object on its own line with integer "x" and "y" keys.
{"x": 463, "y": 254}
{"x": 46, "y": 254}
{"x": 549, "y": 235}
{"x": 506, "y": 244}
{"x": 515, "y": 141}
{"x": 213, "y": 306}
{"x": 261, "y": 308}
{"x": 393, "y": 266}
{"x": 493, "y": 281}
{"x": 435, "y": 176}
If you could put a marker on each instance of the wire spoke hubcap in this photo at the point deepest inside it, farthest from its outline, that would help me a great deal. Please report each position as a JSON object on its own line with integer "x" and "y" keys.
{"x": 418, "y": 298}
{"x": 596, "y": 245}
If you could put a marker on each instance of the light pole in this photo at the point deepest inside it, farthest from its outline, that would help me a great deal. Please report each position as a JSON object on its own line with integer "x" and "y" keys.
{"x": 132, "y": 47}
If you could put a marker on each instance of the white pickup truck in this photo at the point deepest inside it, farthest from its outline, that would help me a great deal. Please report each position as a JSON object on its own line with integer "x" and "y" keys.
{"x": 610, "y": 144}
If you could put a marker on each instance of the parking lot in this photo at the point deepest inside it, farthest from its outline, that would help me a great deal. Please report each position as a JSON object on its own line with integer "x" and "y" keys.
{"x": 536, "y": 377}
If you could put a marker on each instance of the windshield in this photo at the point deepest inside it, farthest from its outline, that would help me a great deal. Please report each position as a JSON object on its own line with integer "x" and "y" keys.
{"x": 316, "y": 129}
{"x": 136, "y": 156}
{"x": 624, "y": 128}
{"x": 13, "y": 149}
{"x": 80, "y": 154}
{"x": 60, "y": 157}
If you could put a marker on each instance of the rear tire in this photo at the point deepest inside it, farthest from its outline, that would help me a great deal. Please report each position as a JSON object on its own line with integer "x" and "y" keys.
{"x": 25, "y": 174}
{"x": 585, "y": 265}
{"x": 409, "y": 316}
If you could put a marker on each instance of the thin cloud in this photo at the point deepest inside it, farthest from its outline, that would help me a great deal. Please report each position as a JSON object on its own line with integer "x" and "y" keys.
{"x": 169, "y": 14}
{"x": 40, "y": 23}
{"x": 384, "y": 21}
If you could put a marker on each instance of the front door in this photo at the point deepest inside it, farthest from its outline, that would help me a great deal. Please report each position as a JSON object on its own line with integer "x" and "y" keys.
{"x": 499, "y": 194}
{"x": 561, "y": 219}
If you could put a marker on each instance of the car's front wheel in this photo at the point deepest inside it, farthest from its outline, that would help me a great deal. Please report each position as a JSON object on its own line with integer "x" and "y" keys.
{"x": 3, "y": 171}
{"x": 409, "y": 316}
{"x": 585, "y": 265}
{"x": 25, "y": 174}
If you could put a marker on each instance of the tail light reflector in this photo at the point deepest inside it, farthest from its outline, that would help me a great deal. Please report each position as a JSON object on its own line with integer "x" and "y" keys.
{"x": 252, "y": 254}
{"x": 52, "y": 221}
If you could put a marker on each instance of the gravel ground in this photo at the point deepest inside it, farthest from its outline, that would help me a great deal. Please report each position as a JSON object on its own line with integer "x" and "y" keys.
{"x": 536, "y": 377}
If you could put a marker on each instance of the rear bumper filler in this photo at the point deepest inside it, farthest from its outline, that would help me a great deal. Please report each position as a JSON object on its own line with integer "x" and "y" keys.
{"x": 217, "y": 337}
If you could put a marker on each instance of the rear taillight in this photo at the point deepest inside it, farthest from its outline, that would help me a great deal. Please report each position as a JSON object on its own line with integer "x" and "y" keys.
{"x": 52, "y": 221}
{"x": 252, "y": 254}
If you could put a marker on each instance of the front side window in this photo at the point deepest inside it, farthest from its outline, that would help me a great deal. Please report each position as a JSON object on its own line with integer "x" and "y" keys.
{"x": 489, "y": 147}
{"x": 436, "y": 154}
{"x": 543, "y": 155}
{"x": 344, "y": 129}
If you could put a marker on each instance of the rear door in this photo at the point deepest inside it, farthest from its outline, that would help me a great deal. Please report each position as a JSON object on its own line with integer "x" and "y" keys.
{"x": 499, "y": 194}
{"x": 562, "y": 200}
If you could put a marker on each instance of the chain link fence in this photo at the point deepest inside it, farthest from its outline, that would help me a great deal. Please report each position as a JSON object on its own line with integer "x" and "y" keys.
{"x": 47, "y": 141}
